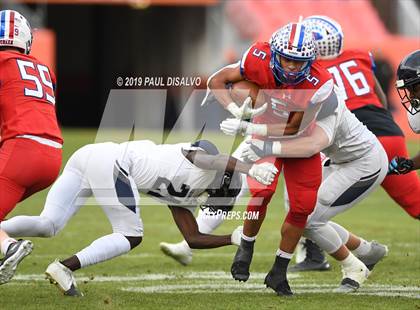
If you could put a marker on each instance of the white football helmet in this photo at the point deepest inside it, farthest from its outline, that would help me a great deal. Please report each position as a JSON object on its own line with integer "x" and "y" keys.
{"x": 15, "y": 30}
{"x": 293, "y": 41}
{"x": 328, "y": 35}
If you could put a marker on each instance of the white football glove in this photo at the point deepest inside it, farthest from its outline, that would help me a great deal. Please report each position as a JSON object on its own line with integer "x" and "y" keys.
{"x": 246, "y": 111}
{"x": 263, "y": 173}
{"x": 233, "y": 126}
{"x": 256, "y": 149}
{"x": 235, "y": 238}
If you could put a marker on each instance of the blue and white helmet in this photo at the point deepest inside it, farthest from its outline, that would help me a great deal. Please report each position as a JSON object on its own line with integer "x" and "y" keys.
{"x": 293, "y": 41}
{"x": 328, "y": 35}
{"x": 15, "y": 30}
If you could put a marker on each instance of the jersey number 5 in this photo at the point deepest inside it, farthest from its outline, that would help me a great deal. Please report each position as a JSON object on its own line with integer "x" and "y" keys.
{"x": 43, "y": 77}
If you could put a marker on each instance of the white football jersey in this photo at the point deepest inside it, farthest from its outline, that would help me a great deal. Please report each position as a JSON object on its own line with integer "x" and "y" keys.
{"x": 349, "y": 139}
{"x": 163, "y": 172}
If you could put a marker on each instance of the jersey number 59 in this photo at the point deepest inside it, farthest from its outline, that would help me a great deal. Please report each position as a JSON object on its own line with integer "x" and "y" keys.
{"x": 44, "y": 90}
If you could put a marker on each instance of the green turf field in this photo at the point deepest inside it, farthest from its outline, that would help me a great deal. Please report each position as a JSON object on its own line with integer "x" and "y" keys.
{"x": 146, "y": 279}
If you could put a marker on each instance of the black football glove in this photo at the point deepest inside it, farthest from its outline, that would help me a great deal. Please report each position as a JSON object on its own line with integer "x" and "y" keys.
{"x": 400, "y": 165}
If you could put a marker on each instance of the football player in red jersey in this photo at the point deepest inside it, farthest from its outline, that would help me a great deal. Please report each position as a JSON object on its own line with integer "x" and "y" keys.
{"x": 284, "y": 69}
{"x": 31, "y": 141}
{"x": 353, "y": 72}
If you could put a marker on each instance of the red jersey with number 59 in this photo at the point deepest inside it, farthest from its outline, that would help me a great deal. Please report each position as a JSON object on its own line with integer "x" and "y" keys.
{"x": 353, "y": 74}
{"x": 27, "y": 99}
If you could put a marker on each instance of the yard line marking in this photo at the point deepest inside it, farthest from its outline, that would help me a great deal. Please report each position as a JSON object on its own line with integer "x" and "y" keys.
{"x": 215, "y": 275}
{"x": 258, "y": 288}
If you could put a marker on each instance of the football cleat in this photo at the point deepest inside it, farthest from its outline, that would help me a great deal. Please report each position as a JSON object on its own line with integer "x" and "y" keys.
{"x": 14, "y": 255}
{"x": 63, "y": 278}
{"x": 377, "y": 252}
{"x": 314, "y": 259}
{"x": 278, "y": 284}
{"x": 242, "y": 261}
{"x": 353, "y": 278}
{"x": 180, "y": 252}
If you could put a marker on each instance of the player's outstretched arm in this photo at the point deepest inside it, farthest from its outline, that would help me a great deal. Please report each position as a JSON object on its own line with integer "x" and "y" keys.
{"x": 297, "y": 147}
{"x": 187, "y": 225}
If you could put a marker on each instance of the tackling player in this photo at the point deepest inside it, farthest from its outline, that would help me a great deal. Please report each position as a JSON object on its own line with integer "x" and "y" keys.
{"x": 408, "y": 79}
{"x": 30, "y": 146}
{"x": 284, "y": 68}
{"x": 176, "y": 174}
{"x": 357, "y": 165}
{"x": 353, "y": 72}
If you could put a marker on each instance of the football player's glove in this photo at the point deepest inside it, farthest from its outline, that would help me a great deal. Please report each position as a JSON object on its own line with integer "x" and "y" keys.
{"x": 245, "y": 111}
{"x": 263, "y": 173}
{"x": 234, "y": 126}
{"x": 257, "y": 149}
{"x": 400, "y": 165}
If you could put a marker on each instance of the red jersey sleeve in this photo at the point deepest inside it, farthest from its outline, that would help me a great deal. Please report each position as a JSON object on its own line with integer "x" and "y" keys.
{"x": 255, "y": 65}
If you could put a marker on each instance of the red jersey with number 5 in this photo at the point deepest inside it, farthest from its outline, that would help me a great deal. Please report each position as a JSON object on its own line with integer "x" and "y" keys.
{"x": 285, "y": 99}
{"x": 353, "y": 74}
{"x": 27, "y": 99}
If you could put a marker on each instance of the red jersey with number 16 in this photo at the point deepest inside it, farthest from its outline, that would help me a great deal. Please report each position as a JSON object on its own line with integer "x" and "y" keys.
{"x": 27, "y": 99}
{"x": 353, "y": 74}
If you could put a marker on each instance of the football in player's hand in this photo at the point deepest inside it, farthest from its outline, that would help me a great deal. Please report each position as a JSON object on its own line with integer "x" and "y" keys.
{"x": 242, "y": 89}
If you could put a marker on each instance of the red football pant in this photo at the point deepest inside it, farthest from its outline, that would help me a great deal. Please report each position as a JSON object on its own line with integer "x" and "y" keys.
{"x": 404, "y": 189}
{"x": 26, "y": 167}
{"x": 303, "y": 177}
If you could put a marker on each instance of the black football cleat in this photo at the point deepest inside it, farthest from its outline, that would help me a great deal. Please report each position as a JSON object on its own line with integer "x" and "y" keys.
{"x": 278, "y": 283}
{"x": 242, "y": 261}
{"x": 314, "y": 260}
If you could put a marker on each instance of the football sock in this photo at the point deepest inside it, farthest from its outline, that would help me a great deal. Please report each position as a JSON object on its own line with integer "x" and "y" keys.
{"x": 5, "y": 245}
{"x": 72, "y": 263}
{"x": 249, "y": 239}
{"x": 350, "y": 262}
{"x": 103, "y": 249}
{"x": 363, "y": 248}
{"x": 208, "y": 222}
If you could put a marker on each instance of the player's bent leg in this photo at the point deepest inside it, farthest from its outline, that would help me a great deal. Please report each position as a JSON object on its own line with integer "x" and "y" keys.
{"x": 354, "y": 271}
{"x": 64, "y": 199}
{"x": 261, "y": 196}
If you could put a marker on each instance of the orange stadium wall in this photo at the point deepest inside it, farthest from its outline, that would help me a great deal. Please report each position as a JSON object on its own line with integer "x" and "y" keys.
{"x": 44, "y": 47}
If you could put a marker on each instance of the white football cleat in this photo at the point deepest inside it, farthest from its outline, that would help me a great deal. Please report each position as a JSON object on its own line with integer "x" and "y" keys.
{"x": 180, "y": 252}
{"x": 14, "y": 255}
{"x": 62, "y": 277}
{"x": 353, "y": 278}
